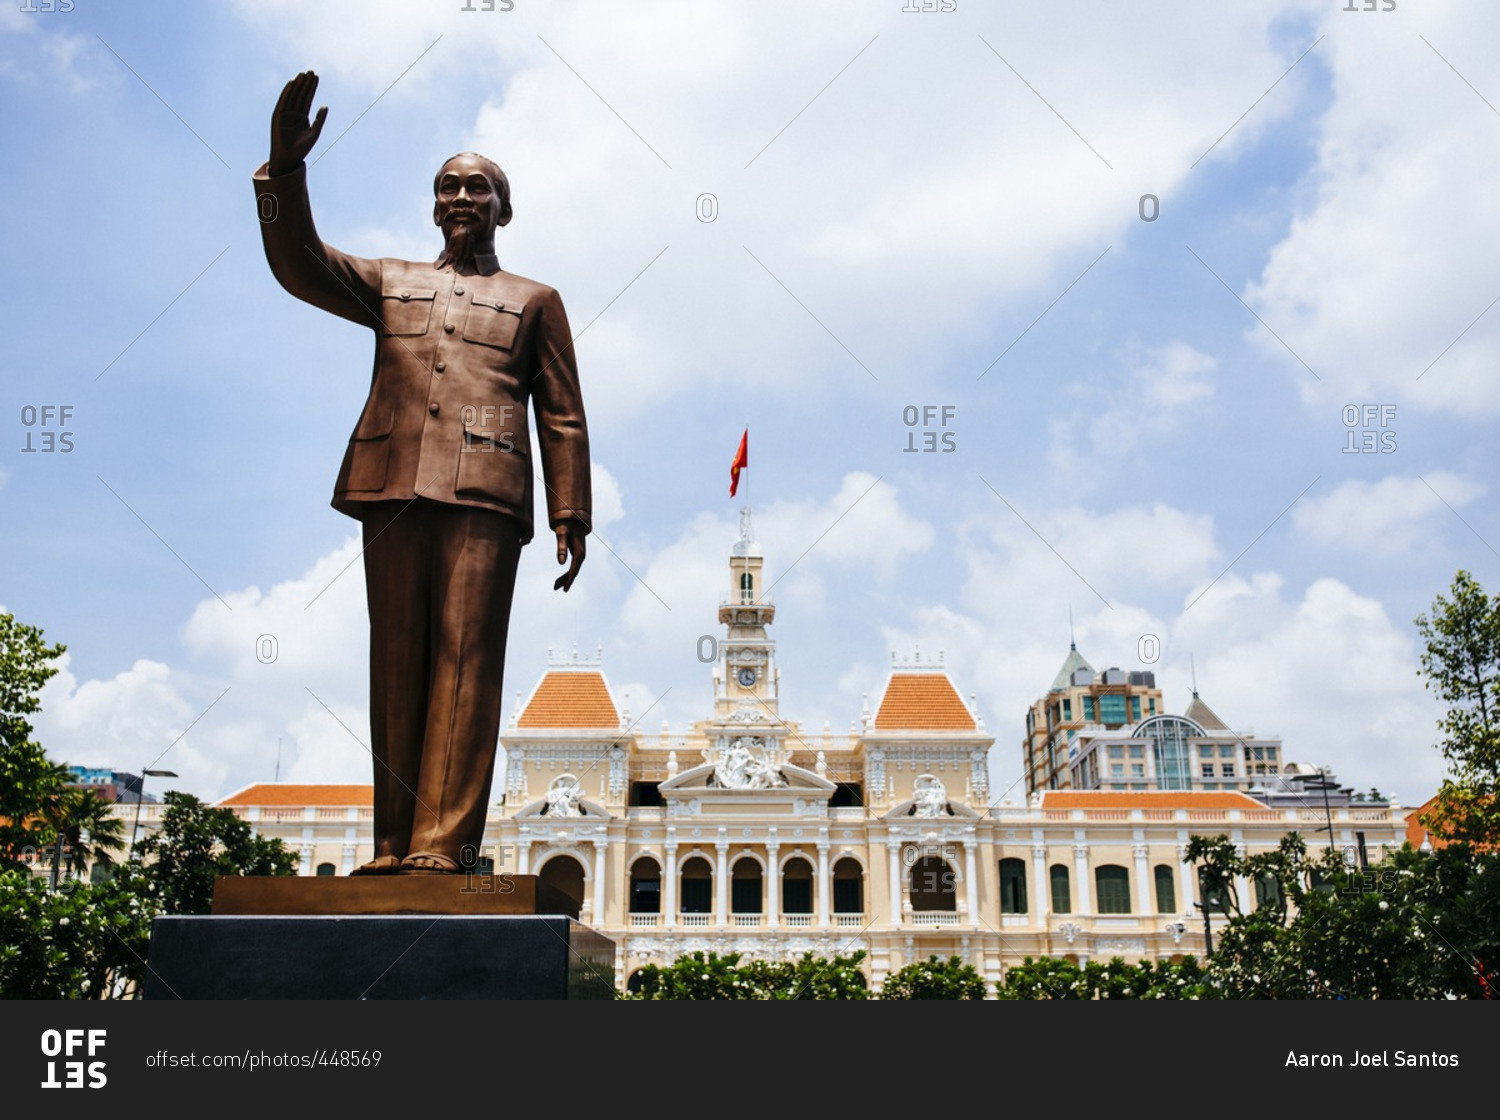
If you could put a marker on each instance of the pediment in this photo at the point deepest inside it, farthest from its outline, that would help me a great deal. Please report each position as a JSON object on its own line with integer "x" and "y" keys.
{"x": 700, "y": 782}
{"x": 910, "y": 810}
{"x": 586, "y": 810}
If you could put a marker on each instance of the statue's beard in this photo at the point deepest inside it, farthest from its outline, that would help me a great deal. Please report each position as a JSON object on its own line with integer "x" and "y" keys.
{"x": 459, "y": 249}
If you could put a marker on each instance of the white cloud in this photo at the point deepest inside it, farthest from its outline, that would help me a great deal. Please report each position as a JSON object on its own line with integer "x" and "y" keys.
{"x": 1390, "y": 260}
{"x": 1163, "y": 391}
{"x": 1393, "y": 514}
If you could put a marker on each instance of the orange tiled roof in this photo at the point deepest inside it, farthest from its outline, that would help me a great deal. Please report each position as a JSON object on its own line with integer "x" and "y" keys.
{"x": 1176, "y": 799}
{"x": 284, "y": 793}
{"x": 922, "y": 702}
{"x": 570, "y": 699}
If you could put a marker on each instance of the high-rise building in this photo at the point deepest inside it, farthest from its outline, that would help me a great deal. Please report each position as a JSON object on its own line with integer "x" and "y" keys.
{"x": 1079, "y": 699}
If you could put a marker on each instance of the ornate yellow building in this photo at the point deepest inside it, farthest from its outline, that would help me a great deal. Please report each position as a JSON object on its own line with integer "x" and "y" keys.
{"x": 751, "y": 834}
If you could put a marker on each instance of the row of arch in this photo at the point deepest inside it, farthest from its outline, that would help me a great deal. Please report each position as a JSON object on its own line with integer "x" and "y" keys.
{"x": 1111, "y": 888}
{"x": 746, "y": 886}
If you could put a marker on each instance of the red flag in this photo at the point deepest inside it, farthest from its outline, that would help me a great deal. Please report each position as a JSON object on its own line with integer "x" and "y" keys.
{"x": 741, "y": 460}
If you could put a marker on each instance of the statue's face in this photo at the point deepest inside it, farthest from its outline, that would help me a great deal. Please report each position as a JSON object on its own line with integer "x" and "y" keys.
{"x": 466, "y": 194}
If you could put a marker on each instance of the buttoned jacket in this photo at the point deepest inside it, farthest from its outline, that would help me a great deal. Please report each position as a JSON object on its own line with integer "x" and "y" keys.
{"x": 457, "y": 360}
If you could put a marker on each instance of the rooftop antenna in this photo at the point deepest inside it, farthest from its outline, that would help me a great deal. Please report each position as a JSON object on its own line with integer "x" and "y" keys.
{"x": 277, "y": 778}
{"x": 1072, "y": 641}
{"x": 1194, "y": 667}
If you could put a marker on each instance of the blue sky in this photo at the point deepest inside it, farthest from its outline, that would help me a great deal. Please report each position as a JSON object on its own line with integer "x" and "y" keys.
{"x": 913, "y": 209}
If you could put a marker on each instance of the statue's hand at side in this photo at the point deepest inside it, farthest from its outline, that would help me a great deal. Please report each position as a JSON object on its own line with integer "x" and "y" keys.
{"x": 292, "y": 136}
{"x": 570, "y": 536}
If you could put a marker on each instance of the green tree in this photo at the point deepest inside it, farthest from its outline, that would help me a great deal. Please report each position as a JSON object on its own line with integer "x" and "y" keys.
{"x": 1461, "y": 664}
{"x": 934, "y": 978}
{"x": 713, "y": 977}
{"x": 88, "y": 827}
{"x": 698, "y": 976}
{"x": 81, "y": 942}
{"x": 27, "y": 777}
{"x": 197, "y": 844}
{"x": 1054, "y": 978}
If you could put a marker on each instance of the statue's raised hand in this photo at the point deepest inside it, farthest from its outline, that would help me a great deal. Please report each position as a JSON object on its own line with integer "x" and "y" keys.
{"x": 292, "y": 136}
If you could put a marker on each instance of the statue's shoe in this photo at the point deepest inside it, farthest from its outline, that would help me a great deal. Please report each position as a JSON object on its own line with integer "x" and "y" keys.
{"x": 380, "y": 865}
{"x": 428, "y": 863}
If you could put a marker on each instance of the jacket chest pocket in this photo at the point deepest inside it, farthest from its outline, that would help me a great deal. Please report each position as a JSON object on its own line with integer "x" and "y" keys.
{"x": 406, "y": 311}
{"x": 493, "y": 322}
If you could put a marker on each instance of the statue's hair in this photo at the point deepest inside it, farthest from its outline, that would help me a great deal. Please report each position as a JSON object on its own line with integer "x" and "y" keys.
{"x": 502, "y": 184}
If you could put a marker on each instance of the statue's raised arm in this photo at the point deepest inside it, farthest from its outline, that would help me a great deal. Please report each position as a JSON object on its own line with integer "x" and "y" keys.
{"x": 292, "y": 136}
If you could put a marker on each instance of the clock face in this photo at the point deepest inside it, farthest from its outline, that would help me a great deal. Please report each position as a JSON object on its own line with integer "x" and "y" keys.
{"x": 747, "y": 677}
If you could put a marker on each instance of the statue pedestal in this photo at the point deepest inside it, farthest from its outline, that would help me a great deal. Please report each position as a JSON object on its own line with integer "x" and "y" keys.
{"x": 381, "y": 937}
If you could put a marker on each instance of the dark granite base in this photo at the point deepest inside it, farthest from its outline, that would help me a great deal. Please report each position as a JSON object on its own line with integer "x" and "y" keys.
{"x": 364, "y": 957}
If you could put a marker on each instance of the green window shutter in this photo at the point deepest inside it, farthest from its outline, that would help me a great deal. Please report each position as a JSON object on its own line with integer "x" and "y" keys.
{"x": 1113, "y": 883}
{"x": 1062, "y": 897}
{"x": 1166, "y": 890}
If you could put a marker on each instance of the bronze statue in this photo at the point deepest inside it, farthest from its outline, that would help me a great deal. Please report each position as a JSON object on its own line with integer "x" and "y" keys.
{"x": 439, "y": 471}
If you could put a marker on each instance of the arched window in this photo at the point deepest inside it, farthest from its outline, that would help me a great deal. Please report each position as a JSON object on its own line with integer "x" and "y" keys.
{"x": 1268, "y": 891}
{"x": 1062, "y": 894}
{"x": 797, "y": 887}
{"x": 745, "y": 886}
{"x": 1012, "y": 886}
{"x": 933, "y": 885}
{"x": 848, "y": 886}
{"x": 645, "y": 886}
{"x": 1113, "y": 883}
{"x": 697, "y": 886}
{"x": 566, "y": 874}
{"x": 635, "y": 981}
{"x": 327, "y": 869}
{"x": 747, "y": 588}
{"x": 1166, "y": 889}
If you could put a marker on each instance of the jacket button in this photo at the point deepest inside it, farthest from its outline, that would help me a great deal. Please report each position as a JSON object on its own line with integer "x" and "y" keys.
{"x": 448, "y": 327}
{"x": 406, "y": 295}
{"x": 433, "y": 408}
{"x": 441, "y": 366}
{"x": 458, "y": 291}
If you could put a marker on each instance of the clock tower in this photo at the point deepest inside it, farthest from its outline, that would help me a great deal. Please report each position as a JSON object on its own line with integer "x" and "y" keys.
{"x": 746, "y": 673}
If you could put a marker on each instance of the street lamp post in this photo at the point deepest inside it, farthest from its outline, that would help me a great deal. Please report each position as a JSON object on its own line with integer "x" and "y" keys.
{"x": 141, "y": 796}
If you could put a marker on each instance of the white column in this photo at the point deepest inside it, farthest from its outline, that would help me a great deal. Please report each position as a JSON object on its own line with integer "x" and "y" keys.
{"x": 1081, "y": 874}
{"x": 823, "y": 887}
{"x": 971, "y": 879}
{"x": 721, "y": 885}
{"x": 669, "y": 887}
{"x": 1041, "y": 891}
{"x": 773, "y": 882}
{"x": 893, "y": 861}
{"x": 1144, "y": 903}
{"x": 523, "y": 857}
{"x": 1186, "y": 875}
{"x": 599, "y": 881}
